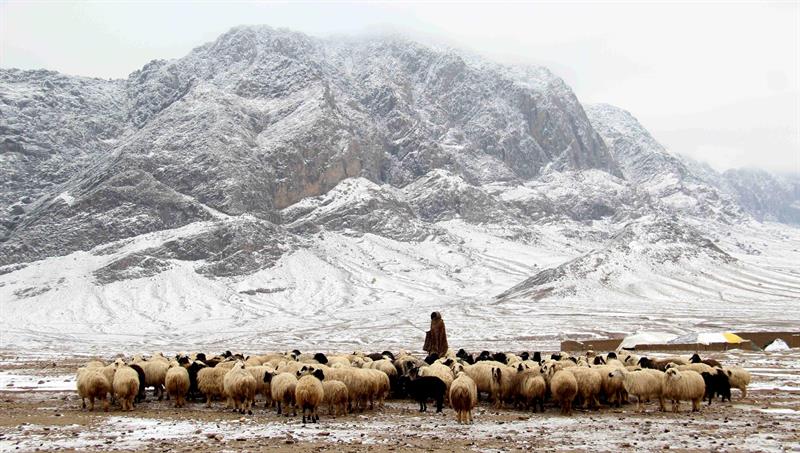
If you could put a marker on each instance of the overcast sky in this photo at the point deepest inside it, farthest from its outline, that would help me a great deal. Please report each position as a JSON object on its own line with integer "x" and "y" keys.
{"x": 716, "y": 81}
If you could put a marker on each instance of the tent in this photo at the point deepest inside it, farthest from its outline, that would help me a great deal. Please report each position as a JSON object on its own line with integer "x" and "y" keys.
{"x": 708, "y": 338}
{"x": 631, "y": 341}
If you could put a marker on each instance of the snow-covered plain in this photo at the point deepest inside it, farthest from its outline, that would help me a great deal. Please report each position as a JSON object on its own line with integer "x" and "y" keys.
{"x": 341, "y": 291}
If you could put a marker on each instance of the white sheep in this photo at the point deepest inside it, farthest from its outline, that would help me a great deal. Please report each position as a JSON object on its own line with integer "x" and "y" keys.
{"x": 125, "y": 385}
{"x": 463, "y": 397}
{"x": 481, "y": 373}
{"x": 93, "y": 384}
{"x": 589, "y": 384}
{"x": 262, "y": 385}
{"x": 309, "y": 393}
{"x": 210, "y": 383}
{"x": 683, "y": 386}
{"x": 502, "y": 384}
{"x": 563, "y": 386}
{"x": 240, "y": 387}
{"x": 627, "y": 358}
{"x": 336, "y": 397}
{"x": 530, "y": 388}
{"x": 282, "y": 388}
{"x": 698, "y": 367}
{"x": 739, "y": 378}
{"x": 362, "y": 385}
{"x": 155, "y": 373}
{"x": 382, "y": 387}
{"x": 338, "y": 361}
{"x": 643, "y": 384}
{"x": 177, "y": 383}
{"x": 612, "y": 388}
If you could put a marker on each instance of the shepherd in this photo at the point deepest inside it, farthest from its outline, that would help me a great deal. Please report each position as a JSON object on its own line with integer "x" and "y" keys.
{"x": 436, "y": 338}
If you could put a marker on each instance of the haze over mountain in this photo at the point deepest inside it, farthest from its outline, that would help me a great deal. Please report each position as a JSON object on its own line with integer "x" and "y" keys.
{"x": 292, "y": 184}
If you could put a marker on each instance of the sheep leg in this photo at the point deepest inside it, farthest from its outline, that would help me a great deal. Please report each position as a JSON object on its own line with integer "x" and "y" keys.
{"x": 695, "y": 405}
{"x": 439, "y": 404}
{"x": 676, "y": 406}
{"x": 91, "y": 403}
{"x": 744, "y": 392}
{"x": 105, "y": 404}
{"x": 83, "y": 403}
{"x": 279, "y": 408}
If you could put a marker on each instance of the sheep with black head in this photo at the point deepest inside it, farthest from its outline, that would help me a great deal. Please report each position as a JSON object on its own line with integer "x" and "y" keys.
{"x": 424, "y": 388}
{"x": 717, "y": 383}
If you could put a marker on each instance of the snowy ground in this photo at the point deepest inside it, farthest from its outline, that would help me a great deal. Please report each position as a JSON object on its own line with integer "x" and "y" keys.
{"x": 47, "y": 416}
{"x": 346, "y": 291}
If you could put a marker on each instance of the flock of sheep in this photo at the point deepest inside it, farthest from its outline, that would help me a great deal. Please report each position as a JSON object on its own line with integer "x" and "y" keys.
{"x": 355, "y": 382}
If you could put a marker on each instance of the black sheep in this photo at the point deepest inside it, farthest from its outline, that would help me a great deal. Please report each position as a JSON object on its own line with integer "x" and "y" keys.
{"x": 555, "y": 357}
{"x": 483, "y": 356}
{"x": 525, "y": 356}
{"x": 537, "y": 357}
{"x": 717, "y": 384}
{"x": 500, "y": 357}
{"x": 465, "y": 356}
{"x": 644, "y": 362}
{"x": 710, "y": 362}
{"x": 140, "y": 396}
{"x": 599, "y": 361}
{"x": 423, "y": 388}
{"x": 321, "y": 358}
{"x": 432, "y": 357}
{"x": 375, "y": 356}
{"x": 193, "y": 369}
{"x": 388, "y": 355}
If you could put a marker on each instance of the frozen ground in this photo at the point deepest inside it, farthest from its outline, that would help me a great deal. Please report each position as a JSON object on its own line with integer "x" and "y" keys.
{"x": 47, "y": 417}
{"x": 342, "y": 291}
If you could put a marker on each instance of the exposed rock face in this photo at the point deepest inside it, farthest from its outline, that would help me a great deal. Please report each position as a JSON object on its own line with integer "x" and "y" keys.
{"x": 358, "y": 206}
{"x": 51, "y": 127}
{"x": 441, "y": 195}
{"x": 98, "y": 211}
{"x": 765, "y": 196}
{"x": 272, "y": 136}
{"x": 662, "y": 175}
{"x": 324, "y": 191}
{"x": 260, "y": 119}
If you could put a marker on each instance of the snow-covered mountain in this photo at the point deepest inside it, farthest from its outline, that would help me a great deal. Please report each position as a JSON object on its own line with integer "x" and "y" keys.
{"x": 270, "y": 181}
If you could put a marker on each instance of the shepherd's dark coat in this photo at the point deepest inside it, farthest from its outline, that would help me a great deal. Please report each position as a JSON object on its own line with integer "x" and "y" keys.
{"x": 436, "y": 338}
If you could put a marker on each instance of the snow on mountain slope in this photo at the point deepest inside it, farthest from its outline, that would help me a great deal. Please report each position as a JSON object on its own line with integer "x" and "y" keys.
{"x": 340, "y": 291}
{"x": 272, "y": 190}
{"x": 650, "y": 167}
{"x": 261, "y": 118}
{"x": 657, "y": 260}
